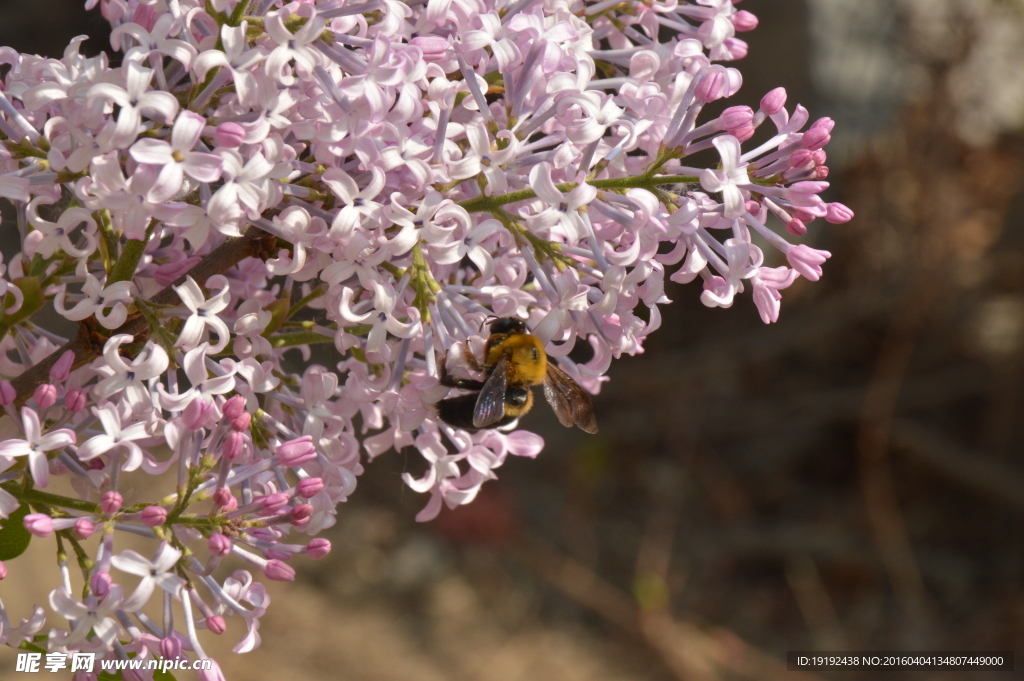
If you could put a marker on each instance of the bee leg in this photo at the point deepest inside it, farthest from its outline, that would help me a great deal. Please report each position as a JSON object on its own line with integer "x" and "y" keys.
{"x": 444, "y": 378}
{"x": 471, "y": 360}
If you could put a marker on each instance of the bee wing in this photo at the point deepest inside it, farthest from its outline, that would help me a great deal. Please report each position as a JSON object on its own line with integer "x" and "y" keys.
{"x": 571, "y": 403}
{"x": 490, "y": 404}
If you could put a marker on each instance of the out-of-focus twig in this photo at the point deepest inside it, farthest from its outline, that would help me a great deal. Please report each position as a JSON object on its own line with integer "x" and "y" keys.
{"x": 690, "y": 652}
{"x": 971, "y": 469}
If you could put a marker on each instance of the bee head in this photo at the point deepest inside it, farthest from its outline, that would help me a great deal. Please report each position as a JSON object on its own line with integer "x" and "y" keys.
{"x": 508, "y": 325}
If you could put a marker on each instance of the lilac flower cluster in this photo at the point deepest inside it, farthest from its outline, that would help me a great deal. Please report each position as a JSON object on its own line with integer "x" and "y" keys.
{"x": 377, "y": 176}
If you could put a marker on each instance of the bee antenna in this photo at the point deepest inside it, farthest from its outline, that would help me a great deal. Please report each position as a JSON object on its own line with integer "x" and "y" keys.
{"x": 488, "y": 320}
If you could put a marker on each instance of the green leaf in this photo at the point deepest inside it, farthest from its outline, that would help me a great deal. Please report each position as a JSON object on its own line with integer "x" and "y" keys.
{"x": 14, "y": 538}
{"x": 107, "y": 676}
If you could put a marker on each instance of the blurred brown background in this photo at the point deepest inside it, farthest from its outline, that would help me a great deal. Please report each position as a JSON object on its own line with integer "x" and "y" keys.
{"x": 849, "y": 478}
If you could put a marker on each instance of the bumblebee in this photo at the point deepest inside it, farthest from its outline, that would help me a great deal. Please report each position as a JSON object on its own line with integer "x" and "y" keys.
{"x": 514, "y": 362}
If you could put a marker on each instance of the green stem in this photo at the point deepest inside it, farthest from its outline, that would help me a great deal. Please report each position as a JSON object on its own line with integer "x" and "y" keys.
{"x": 124, "y": 268}
{"x": 482, "y": 204}
{"x": 34, "y": 496}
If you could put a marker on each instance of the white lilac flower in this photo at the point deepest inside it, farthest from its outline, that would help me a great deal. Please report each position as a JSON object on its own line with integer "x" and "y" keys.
{"x": 36, "y": 445}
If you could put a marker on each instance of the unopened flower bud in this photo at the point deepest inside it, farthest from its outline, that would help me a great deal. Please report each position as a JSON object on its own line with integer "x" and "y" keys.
{"x": 39, "y": 524}
{"x": 796, "y": 227}
{"x": 168, "y": 273}
{"x": 45, "y": 395}
{"x": 735, "y": 117}
{"x": 711, "y": 87}
{"x": 241, "y": 422}
{"x": 744, "y": 21}
{"x": 301, "y": 514}
{"x": 216, "y": 624}
{"x": 154, "y": 516}
{"x": 309, "y": 487}
{"x": 219, "y": 545}
{"x": 83, "y": 528}
{"x": 234, "y": 407}
{"x": 61, "y": 369}
{"x": 170, "y": 648}
{"x": 3, "y": 570}
{"x": 279, "y": 571}
{"x": 111, "y": 502}
{"x": 838, "y": 213}
{"x": 230, "y": 135}
{"x": 318, "y": 548}
{"x": 274, "y": 502}
{"x": 7, "y": 393}
{"x": 815, "y": 138}
{"x": 75, "y": 399}
{"x": 225, "y": 499}
{"x": 196, "y": 414}
{"x": 234, "y": 444}
{"x": 773, "y": 102}
{"x": 296, "y": 452}
{"x": 100, "y": 583}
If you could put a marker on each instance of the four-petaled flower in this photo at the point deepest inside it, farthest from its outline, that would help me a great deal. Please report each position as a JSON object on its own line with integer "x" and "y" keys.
{"x": 35, "y": 445}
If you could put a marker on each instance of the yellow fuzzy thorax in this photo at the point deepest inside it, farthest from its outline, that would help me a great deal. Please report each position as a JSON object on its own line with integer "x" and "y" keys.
{"x": 527, "y": 360}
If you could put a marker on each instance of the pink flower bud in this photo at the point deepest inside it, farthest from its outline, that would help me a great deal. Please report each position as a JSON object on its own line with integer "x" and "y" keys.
{"x": 241, "y": 423}
{"x": 154, "y": 516}
{"x": 169, "y": 273}
{"x": 197, "y": 413}
{"x": 737, "y": 48}
{"x": 735, "y": 117}
{"x": 45, "y": 395}
{"x": 234, "y": 407}
{"x": 230, "y": 135}
{"x": 821, "y": 172}
{"x": 84, "y": 528}
{"x": 309, "y": 487}
{"x": 7, "y": 393}
{"x": 111, "y": 502}
{"x": 39, "y": 524}
{"x": 100, "y": 583}
{"x": 144, "y": 16}
{"x": 234, "y": 444}
{"x": 170, "y": 648}
{"x": 279, "y": 571}
{"x": 711, "y": 87}
{"x": 61, "y": 369}
{"x": 3, "y": 570}
{"x": 773, "y": 102}
{"x": 296, "y": 452}
{"x": 838, "y": 213}
{"x": 807, "y": 261}
{"x": 744, "y": 133}
{"x": 801, "y": 158}
{"x": 825, "y": 123}
{"x": 433, "y": 46}
{"x": 796, "y": 227}
{"x": 219, "y": 545}
{"x": 75, "y": 399}
{"x": 301, "y": 514}
{"x": 274, "y": 502}
{"x": 318, "y": 548}
{"x": 815, "y": 138}
{"x": 216, "y": 624}
{"x": 225, "y": 499}
{"x": 744, "y": 21}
